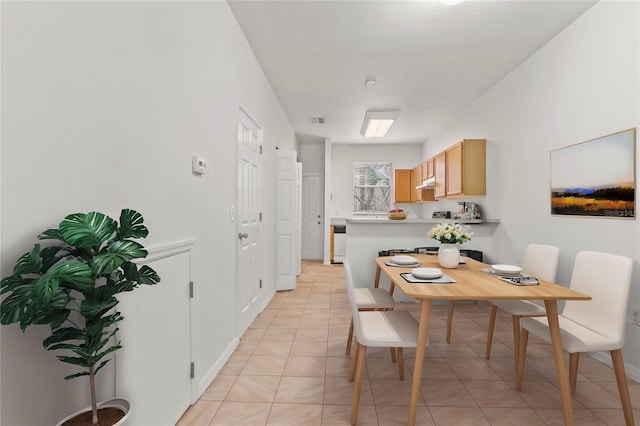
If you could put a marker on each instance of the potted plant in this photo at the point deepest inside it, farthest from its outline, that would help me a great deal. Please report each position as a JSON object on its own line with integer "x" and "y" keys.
{"x": 449, "y": 234}
{"x": 71, "y": 286}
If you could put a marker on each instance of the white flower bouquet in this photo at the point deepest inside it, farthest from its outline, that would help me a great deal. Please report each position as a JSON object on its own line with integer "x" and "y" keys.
{"x": 450, "y": 233}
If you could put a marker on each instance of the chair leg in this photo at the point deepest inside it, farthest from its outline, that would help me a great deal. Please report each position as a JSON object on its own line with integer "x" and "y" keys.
{"x": 574, "y": 361}
{"x": 516, "y": 340}
{"x": 400, "y": 363}
{"x": 357, "y": 389}
{"x": 354, "y": 361}
{"x": 449, "y": 320}
{"x": 522, "y": 352}
{"x": 492, "y": 326}
{"x": 350, "y": 338}
{"x": 623, "y": 387}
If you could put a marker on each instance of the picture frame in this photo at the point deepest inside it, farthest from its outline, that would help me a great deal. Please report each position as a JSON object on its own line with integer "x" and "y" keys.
{"x": 595, "y": 178}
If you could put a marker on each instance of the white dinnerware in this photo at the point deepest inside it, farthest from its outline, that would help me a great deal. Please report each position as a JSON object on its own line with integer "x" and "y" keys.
{"x": 404, "y": 260}
{"x": 426, "y": 273}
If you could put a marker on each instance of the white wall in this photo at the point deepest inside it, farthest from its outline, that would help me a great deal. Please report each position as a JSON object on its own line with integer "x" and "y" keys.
{"x": 103, "y": 105}
{"x": 312, "y": 158}
{"x": 342, "y": 157}
{"x": 581, "y": 85}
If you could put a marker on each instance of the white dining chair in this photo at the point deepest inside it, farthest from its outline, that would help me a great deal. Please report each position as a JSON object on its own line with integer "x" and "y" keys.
{"x": 540, "y": 261}
{"x": 591, "y": 326}
{"x": 370, "y": 299}
{"x": 393, "y": 329}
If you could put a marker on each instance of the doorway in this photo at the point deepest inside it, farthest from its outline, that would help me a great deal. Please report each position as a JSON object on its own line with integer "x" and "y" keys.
{"x": 249, "y": 216}
{"x": 312, "y": 216}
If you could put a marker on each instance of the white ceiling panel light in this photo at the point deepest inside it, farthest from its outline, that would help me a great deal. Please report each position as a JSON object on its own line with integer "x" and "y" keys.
{"x": 377, "y": 123}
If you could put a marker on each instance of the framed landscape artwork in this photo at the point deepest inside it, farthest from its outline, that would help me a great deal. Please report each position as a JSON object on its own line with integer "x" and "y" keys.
{"x": 595, "y": 178}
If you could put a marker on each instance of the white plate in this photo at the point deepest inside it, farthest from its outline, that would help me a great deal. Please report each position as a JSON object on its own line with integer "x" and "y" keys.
{"x": 506, "y": 269}
{"x": 404, "y": 260}
{"x": 426, "y": 273}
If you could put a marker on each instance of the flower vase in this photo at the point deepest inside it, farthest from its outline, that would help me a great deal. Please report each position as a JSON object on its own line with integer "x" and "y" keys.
{"x": 448, "y": 256}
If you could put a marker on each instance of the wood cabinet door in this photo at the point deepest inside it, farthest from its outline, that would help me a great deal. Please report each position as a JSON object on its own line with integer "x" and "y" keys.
{"x": 454, "y": 170}
{"x": 429, "y": 167}
{"x": 417, "y": 180}
{"x": 440, "y": 173}
{"x": 403, "y": 181}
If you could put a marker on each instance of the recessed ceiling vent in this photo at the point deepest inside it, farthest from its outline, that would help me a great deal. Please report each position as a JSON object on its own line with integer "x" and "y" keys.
{"x": 317, "y": 120}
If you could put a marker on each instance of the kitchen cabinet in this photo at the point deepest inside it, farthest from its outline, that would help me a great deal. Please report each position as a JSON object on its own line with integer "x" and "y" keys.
{"x": 417, "y": 180}
{"x": 404, "y": 187}
{"x": 406, "y": 181}
{"x": 465, "y": 168}
{"x": 427, "y": 169}
{"x": 440, "y": 174}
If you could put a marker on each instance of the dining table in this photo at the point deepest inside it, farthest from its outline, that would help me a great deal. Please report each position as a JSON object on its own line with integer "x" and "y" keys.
{"x": 473, "y": 281}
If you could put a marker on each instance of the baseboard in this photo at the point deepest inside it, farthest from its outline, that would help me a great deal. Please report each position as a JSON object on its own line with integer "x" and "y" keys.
{"x": 605, "y": 358}
{"x": 211, "y": 374}
{"x": 267, "y": 300}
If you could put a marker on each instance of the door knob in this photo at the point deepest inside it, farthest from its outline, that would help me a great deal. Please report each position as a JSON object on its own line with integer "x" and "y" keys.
{"x": 242, "y": 235}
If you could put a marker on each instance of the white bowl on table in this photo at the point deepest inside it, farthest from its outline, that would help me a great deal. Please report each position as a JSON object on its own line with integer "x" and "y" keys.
{"x": 506, "y": 269}
{"x": 404, "y": 260}
{"x": 426, "y": 273}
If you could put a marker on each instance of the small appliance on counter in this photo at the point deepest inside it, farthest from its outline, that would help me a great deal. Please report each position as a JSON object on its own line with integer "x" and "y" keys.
{"x": 470, "y": 211}
{"x": 441, "y": 215}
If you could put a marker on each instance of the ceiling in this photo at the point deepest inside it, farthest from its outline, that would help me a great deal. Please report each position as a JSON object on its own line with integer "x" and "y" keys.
{"x": 429, "y": 60}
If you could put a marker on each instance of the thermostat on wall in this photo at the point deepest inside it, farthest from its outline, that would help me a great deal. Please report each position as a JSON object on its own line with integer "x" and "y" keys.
{"x": 198, "y": 164}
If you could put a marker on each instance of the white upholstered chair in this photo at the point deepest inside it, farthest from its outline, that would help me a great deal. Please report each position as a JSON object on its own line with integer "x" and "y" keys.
{"x": 591, "y": 326}
{"x": 388, "y": 329}
{"x": 540, "y": 261}
{"x": 370, "y": 299}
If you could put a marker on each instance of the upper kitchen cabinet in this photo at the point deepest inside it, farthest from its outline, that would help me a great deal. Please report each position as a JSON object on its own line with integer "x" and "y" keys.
{"x": 404, "y": 186}
{"x": 466, "y": 169}
{"x": 440, "y": 174}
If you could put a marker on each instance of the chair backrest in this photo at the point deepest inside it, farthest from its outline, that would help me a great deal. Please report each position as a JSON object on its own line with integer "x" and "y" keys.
{"x": 351, "y": 293}
{"x": 607, "y": 279}
{"x": 541, "y": 261}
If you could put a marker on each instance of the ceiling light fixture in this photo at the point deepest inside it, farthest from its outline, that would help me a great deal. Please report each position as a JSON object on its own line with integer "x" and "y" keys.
{"x": 377, "y": 123}
{"x": 370, "y": 81}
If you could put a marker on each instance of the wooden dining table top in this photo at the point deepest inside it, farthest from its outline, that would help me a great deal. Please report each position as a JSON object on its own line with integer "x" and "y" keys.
{"x": 472, "y": 283}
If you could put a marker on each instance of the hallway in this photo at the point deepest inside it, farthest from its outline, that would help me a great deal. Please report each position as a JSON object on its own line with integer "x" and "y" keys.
{"x": 290, "y": 368}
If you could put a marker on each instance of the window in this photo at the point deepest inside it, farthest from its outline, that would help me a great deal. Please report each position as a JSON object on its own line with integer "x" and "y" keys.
{"x": 371, "y": 187}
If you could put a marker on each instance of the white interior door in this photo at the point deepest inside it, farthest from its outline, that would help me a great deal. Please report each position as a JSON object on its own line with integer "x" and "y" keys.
{"x": 312, "y": 211}
{"x": 248, "y": 218}
{"x": 298, "y": 218}
{"x": 286, "y": 212}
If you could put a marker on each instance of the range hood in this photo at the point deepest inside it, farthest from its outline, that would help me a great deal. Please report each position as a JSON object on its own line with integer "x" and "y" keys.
{"x": 427, "y": 183}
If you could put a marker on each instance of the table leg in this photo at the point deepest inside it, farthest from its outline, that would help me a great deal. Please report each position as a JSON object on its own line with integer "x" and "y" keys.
{"x": 425, "y": 316}
{"x": 376, "y": 281}
{"x": 558, "y": 357}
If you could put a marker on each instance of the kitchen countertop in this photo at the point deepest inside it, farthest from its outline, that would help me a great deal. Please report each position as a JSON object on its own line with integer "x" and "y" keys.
{"x": 385, "y": 220}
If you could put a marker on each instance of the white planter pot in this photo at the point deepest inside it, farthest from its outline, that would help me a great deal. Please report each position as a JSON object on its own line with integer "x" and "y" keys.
{"x": 448, "y": 256}
{"x": 120, "y": 403}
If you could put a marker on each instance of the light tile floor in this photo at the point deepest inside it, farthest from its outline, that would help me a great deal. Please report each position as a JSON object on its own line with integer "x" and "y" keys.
{"x": 290, "y": 368}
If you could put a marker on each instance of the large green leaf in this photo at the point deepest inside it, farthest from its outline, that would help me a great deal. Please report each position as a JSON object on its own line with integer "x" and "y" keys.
{"x": 63, "y": 335}
{"x": 45, "y": 288}
{"x": 91, "y": 308}
{"x": 11, "y": 282}
{"x": 50, "y": 234}
{"x": 146, "y": 275}
{"x": 14, "y": 306}
{"x": 131, "y": 225}
{"x": 115, "y": 255}
{"x": 72, "y": 273}
{"x": 29, "y": 263}
{"x": 87, "y": 230}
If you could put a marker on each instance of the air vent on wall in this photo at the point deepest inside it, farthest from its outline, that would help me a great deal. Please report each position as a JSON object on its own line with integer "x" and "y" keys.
{"x": 317, "y": 120}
